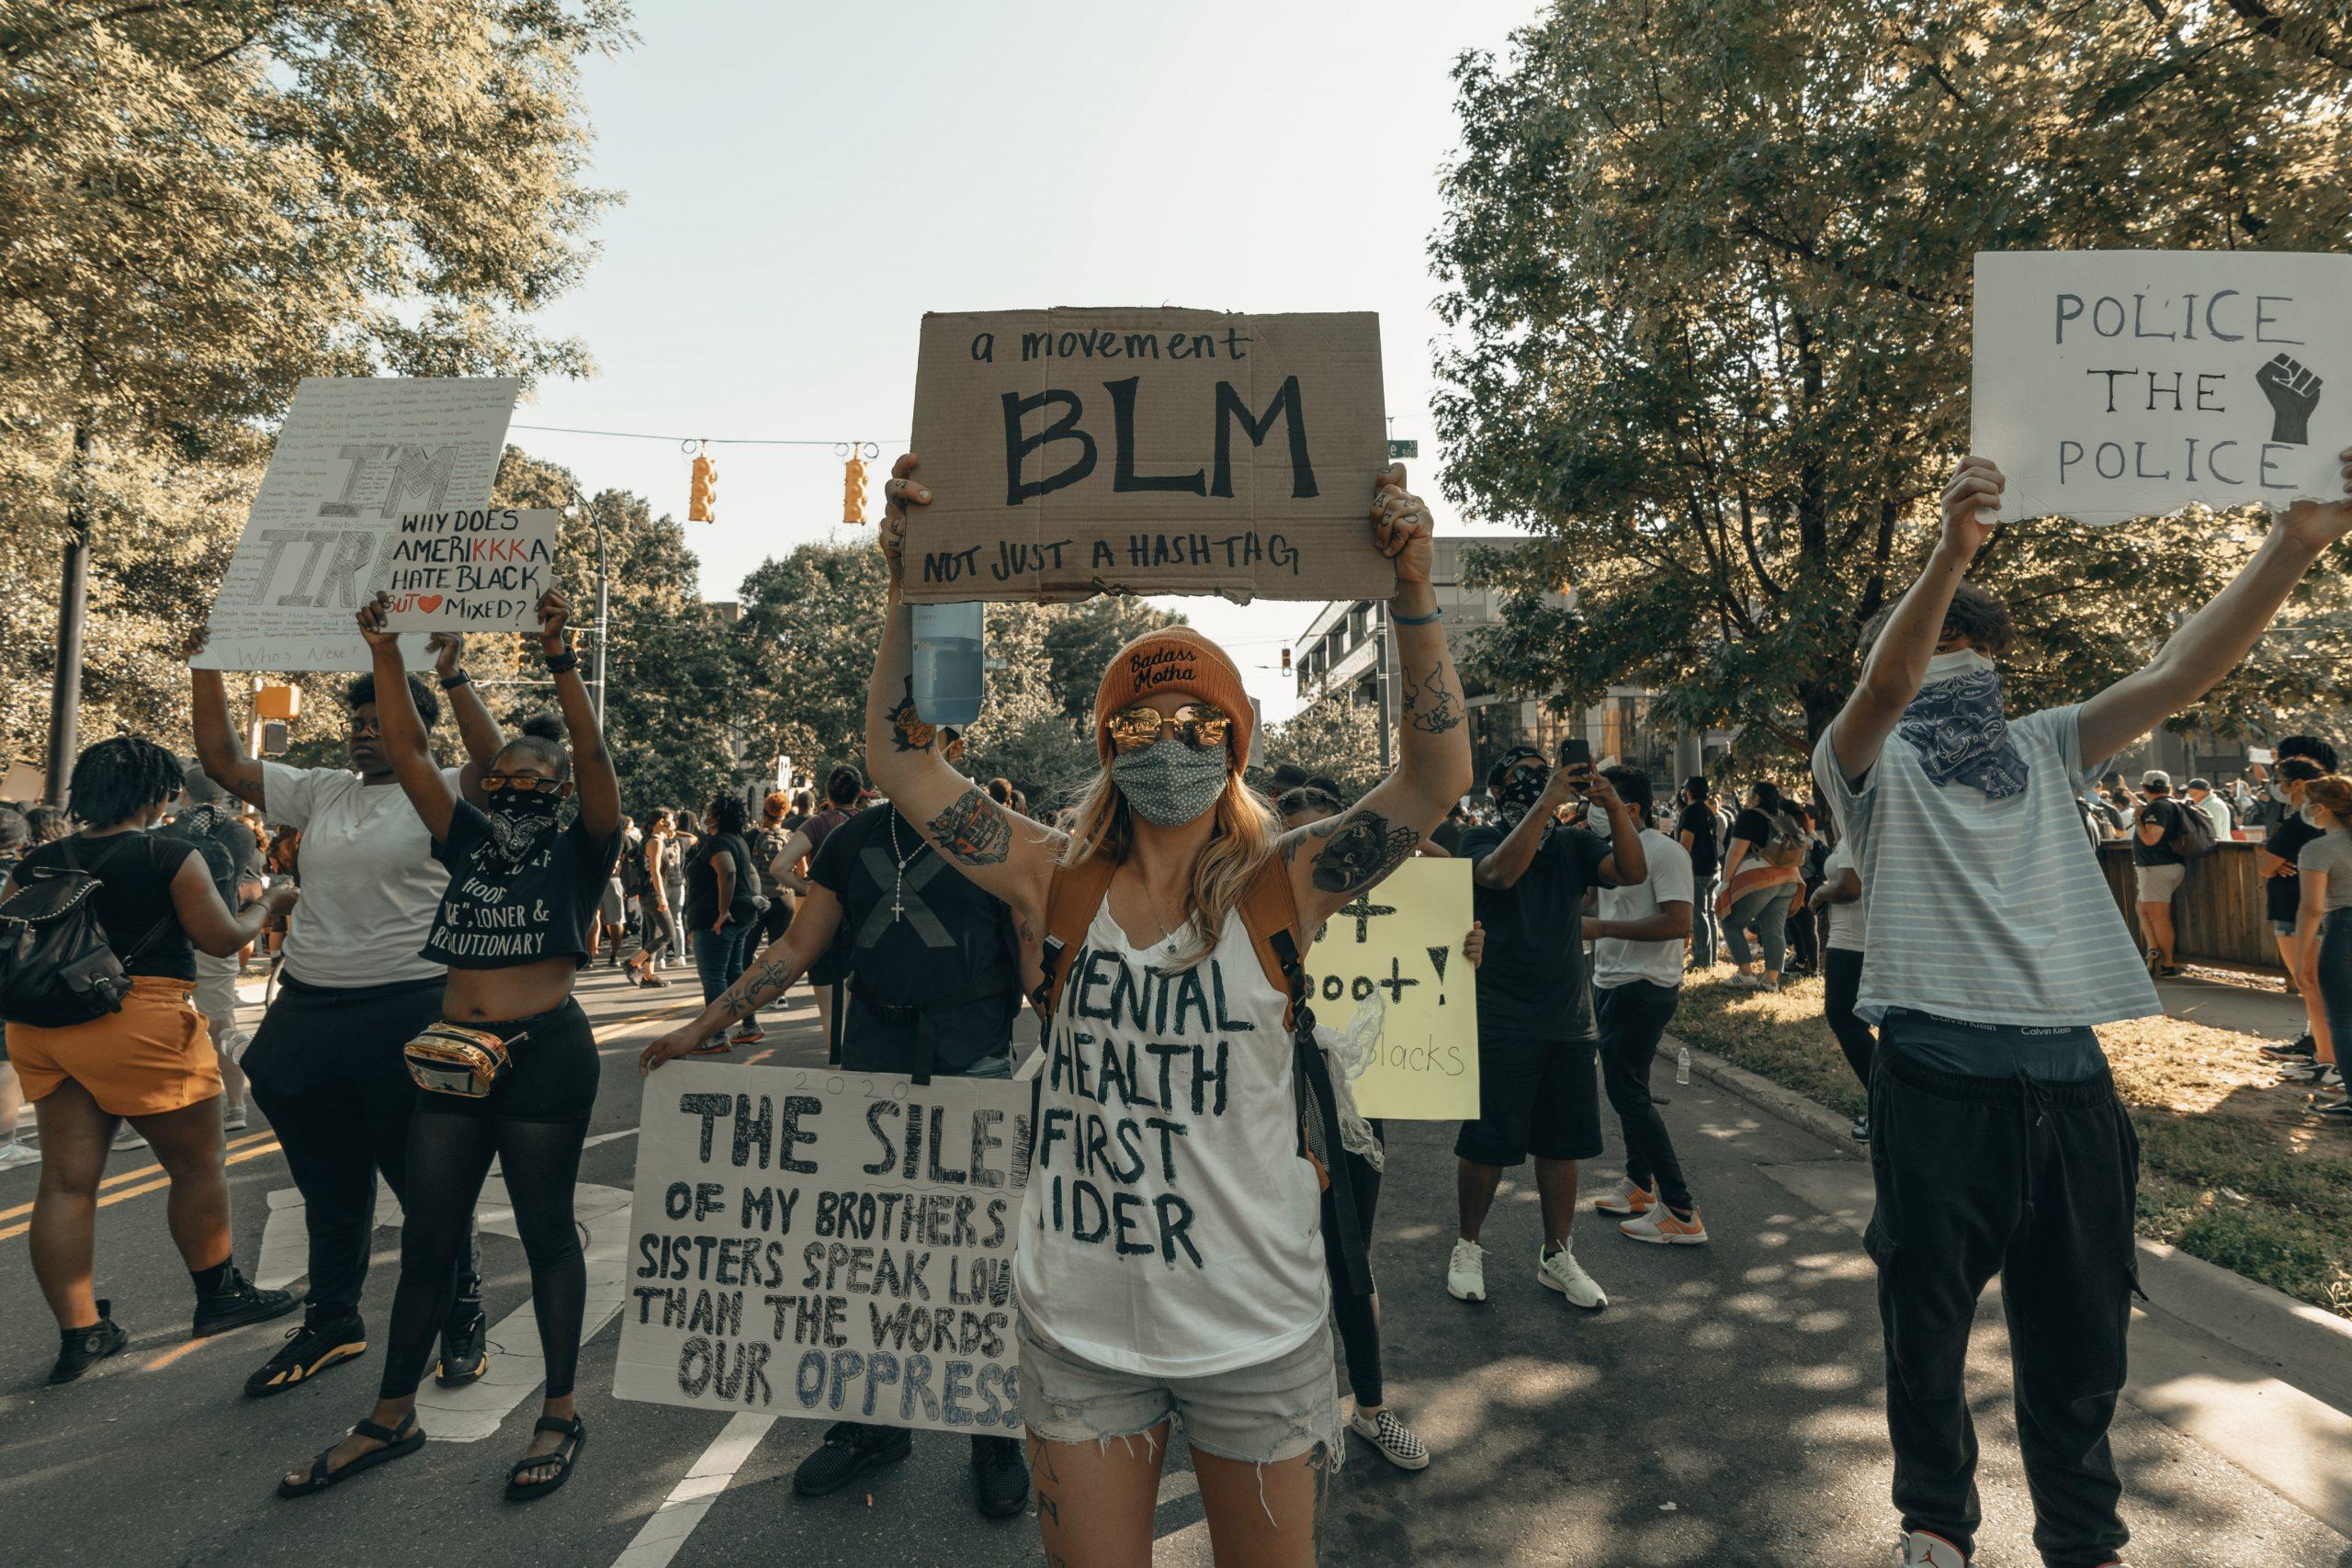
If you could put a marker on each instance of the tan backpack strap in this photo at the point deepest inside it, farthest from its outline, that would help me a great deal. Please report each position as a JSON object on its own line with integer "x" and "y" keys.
{"x": 1269, "y": 905}
{"x": 1072, "y": 898}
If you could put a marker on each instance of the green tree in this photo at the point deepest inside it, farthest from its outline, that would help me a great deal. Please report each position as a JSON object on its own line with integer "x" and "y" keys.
{"x": 1331, "y": 736}
{"x": 1708, "y": 267}
{"x": 813, "y": 619}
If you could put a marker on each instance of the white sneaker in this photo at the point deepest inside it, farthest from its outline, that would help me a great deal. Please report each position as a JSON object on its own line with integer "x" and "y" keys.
{"x": 129, "y": 1138}
{"x": 1397, "y": 1445}
{"x": 1465, "y": 1272}
{"x": 1920, "y": 1550}
{"x": 14, "y": 1153}
{"x": 1663, "y": 1227}
{"x": 233, "y": 1118}
{"x": 1560, "y": 1271}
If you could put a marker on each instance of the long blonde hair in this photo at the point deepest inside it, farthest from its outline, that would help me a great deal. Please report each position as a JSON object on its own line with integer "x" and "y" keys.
{"x": 1241, "y": 841}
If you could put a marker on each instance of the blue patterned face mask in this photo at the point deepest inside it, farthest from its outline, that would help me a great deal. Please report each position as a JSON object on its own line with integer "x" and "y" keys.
{"x": 1957, "y": 725}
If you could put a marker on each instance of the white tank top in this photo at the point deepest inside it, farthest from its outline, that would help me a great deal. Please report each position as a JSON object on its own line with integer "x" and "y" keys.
{"x": 1170, "y": 1227}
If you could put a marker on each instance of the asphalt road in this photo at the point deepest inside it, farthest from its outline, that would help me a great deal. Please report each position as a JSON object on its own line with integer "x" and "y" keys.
{"x": 1725, "y": 1408}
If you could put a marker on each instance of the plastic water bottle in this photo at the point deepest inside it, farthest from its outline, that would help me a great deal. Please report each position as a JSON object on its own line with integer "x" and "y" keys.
{"x": 1682, "y": 1065}
{"x": 947, "y": 662}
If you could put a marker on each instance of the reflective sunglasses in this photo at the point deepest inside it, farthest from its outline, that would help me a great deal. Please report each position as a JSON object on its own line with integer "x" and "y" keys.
{"x": 493, "y": 783}
{"x": 1201, "y": 725}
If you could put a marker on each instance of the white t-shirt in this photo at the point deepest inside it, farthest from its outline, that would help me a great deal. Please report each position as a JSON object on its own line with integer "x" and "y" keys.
{"x": 2217, "y": 812}
{"x": 1172, "y": 1227}
{"x": 369, "y": 882}
{"x": 1847, "y": 921}
{"x": 1616, "y": 959}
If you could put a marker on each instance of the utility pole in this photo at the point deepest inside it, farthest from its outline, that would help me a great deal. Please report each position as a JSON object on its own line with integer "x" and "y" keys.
{"x": 1380, "y": 684}
{"x": 604, "y": 596}
{"x": 73, "y": 599}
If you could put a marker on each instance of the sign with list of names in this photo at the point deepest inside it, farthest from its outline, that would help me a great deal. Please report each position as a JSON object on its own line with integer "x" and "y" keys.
{"x": 827, "y": 1246}
{"x": 480, "y": 570}
{"x": 2110, "y": 385}
{"x": 1399, "y": 947}
{"x": 356, "y": 454}
{"x": 1075, "y": 451}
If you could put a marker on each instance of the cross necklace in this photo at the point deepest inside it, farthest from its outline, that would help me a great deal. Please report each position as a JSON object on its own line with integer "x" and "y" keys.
{"x": 898, "y": 887}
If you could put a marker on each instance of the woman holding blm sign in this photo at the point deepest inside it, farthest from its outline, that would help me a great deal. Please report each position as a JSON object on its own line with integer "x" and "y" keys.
{"x": 1172, "y": 1263}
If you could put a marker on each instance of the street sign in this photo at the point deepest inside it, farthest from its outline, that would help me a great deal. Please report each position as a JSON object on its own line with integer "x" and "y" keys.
{"x": 1401, "y": 450}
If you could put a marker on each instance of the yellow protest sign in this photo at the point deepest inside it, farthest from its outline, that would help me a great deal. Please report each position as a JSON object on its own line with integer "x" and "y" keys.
{"x": 1394, "y": 953}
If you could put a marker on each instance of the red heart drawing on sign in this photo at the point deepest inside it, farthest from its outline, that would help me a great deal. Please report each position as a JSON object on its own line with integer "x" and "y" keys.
{"x": 428, "y": 602}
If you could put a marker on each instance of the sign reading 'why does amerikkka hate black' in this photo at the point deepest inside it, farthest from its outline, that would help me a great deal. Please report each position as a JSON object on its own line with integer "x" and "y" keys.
{"x": 1074, "y": 452}
{"x": 827, "y": 1246}
{"x": 2117, "y": 384}
{"x": 479, "y": 570}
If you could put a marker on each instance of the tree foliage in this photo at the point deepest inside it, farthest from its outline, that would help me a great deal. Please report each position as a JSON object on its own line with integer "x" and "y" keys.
{"x": 1709, "y": 276}
{"x": 1333, "y": 736}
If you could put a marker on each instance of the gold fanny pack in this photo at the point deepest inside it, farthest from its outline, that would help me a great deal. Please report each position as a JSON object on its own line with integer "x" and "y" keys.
{"x": 449, "y": 1058}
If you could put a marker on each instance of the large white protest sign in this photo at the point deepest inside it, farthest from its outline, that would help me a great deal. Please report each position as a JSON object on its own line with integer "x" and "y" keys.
{"x": 828, "y": 1245}
{"x": 2118, "y": 384}
{"x": 480, "y": 569}
{"x": 353, "y": 456}
{"x": 1396, "y": 951}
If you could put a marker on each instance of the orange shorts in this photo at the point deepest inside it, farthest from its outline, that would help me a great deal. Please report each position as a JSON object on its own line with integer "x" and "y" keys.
{"x": 154, "y": 1056}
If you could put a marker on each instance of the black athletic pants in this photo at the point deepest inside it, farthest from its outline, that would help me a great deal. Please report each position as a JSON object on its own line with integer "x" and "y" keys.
{"x": 1631, "y": 1018}
{"x": 1841, "y": 973}
{"x": 534, "y": 1122}
{"x": 2035, "y": 1183}
{"x": 1359, "y": 1323}
{"x": 325, "y": 1068}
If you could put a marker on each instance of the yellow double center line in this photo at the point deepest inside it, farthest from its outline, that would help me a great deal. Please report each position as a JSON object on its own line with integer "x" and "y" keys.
{"x": 146, "y": 1179}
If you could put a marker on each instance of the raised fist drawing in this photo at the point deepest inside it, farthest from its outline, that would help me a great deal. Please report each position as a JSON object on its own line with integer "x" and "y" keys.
{"x": 2293, "y": 393}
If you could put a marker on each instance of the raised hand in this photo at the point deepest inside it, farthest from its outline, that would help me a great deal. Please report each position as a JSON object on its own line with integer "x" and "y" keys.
{"x": 554, "y": 613}
{"x": 447, "y": 648}
{"x": 2315, "y": 525}
{"x": 898, "y": 492}
{"x": 193, "y": 643}
{"x": 1970, "y": 501}
{"x": 371, "y": 623}
{"x": 2293, "y": 391}
{"x": 1401, "y": 527}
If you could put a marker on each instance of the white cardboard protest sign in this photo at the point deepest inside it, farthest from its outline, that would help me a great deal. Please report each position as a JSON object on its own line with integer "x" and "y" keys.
{"x": 2109, "y": 385}
{"x": 1400, "y": 944}
{"x": 353, "y": 456}
{"x": 476, "y": 569}
{"x": 1074, "y": 452}
{"x": 827, "y": 1246}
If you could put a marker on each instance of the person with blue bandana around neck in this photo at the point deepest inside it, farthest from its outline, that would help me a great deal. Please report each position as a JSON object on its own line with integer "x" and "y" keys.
{"x": 1994, "y": 948}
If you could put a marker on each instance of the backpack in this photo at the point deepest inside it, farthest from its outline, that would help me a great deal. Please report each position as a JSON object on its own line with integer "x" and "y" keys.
{"x": 57, "y": 968}
{"x": 1269, "y": 910}
{"x": 2192, "y": 838}
{"x": 1789, "y": 842}
{"x": 632, "y": 869}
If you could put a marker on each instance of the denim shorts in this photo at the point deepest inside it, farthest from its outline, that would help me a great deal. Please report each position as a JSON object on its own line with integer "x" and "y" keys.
{"x": 1275, "y": 1411}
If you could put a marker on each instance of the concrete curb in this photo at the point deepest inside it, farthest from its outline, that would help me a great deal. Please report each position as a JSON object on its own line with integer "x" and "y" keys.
{"x": 2306, "y": 1347}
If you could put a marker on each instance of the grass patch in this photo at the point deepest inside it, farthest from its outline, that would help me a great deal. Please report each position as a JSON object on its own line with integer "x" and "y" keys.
{"x": 2232, "y": 1168}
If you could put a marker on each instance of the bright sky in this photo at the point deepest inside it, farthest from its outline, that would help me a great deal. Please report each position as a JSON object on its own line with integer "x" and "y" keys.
{"x": 797, "y": 199}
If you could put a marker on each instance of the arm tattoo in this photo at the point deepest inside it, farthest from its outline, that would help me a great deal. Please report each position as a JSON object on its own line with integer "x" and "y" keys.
{"x": 761, "y": 985}
{"x": 1442, "y": 710}
{"x": 908, "y": 731}
{"x": 972, "y": 832}
{"x": 1362, "y": 848}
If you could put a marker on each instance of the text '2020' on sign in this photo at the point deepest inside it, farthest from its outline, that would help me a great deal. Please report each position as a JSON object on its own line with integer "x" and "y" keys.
{"x": 1149, "y": 451}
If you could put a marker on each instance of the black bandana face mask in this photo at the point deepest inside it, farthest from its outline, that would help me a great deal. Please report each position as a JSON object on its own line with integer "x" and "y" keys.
{"x": 1521, "y": 789}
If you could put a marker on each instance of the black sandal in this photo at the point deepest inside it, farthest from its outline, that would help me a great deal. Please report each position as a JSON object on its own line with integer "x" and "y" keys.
{"x": 397, "y": 1441}
{"x": 517, "y": 1489}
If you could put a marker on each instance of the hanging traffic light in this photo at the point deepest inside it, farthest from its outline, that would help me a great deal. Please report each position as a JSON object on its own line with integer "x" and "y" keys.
{"x": 1285, "y": 660}
{"x": 854, "y": 490}
{"x": 702, "y": 495}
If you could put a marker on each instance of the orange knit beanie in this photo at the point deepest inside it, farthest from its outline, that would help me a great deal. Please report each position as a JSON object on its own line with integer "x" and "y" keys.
{"x": 1177, "y": 661}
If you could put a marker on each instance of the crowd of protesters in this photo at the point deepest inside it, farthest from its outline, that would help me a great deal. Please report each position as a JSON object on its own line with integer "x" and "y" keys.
{"x": 1938, "y": 874}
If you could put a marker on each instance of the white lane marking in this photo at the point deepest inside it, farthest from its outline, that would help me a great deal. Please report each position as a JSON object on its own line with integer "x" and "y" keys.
{"x": 664, "y": 1533}
{"x": 470, "y": 1414}
{"x": 608, "y": 1138}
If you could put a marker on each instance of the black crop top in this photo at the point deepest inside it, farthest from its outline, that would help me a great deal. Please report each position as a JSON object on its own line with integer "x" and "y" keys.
{"x": 519, "y": 891}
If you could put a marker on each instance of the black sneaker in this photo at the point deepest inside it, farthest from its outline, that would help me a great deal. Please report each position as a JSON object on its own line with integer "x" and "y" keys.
{"x": 2340, "y": 1110}
{"x": 237, "y": 1304}
{"x": 1000, "y": 1477}
{"x": 2302, "y": 1045}
{"x": 465, "y": 1349}
{"x": 79, "y": 1350}
{"x": 850, "y": 1450}
{"x": 321, "y": 1342}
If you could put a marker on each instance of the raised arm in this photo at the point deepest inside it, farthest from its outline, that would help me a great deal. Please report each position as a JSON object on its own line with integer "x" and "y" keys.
{"x": 219, "y": 748}
{"x": 784, "y": 962}
{"x": 599, "y": 788}
{"x": 1897, "y": 667}
{"x": 1001, "y": 851}
{"x": 209, "y": 923}
{"x": 2209, "y": 643}
{"x": 404, "y": 742}
{"x": 1345, "y": 854}
{"x": 476, "y": 728}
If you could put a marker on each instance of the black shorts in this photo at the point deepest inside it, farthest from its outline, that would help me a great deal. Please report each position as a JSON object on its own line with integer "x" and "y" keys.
{"x": 1535, "y": 1097}
{"x": 553, "y": 1078}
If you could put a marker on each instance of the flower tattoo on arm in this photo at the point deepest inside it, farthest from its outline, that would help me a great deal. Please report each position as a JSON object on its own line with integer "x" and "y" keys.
{"x": 908, "y": 731}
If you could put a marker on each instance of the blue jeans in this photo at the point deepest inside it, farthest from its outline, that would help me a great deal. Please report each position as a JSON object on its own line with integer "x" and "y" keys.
{"x": 720, "y": 956}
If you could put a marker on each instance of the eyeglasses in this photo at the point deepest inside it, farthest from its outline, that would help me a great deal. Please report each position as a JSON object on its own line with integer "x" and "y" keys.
{"x": 360, "y": 726}
{"x": 1201, "y": 725}
{"x": 493, "y": 783}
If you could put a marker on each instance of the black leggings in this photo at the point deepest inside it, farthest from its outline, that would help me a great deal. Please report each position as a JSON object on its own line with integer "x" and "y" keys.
{"x": 1359, "y": 1323}
{"x": 660, "y": 931}
{"x": 534, "y": 1122}
{"x": 1841, "y": 984}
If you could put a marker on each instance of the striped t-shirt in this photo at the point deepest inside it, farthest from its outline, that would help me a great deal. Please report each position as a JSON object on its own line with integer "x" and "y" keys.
{"x": 1984, "y": 910}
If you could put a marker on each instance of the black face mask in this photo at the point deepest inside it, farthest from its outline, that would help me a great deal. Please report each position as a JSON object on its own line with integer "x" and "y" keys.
{"x": 1520, "y": 791}
{"x": 523, "y": 805}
